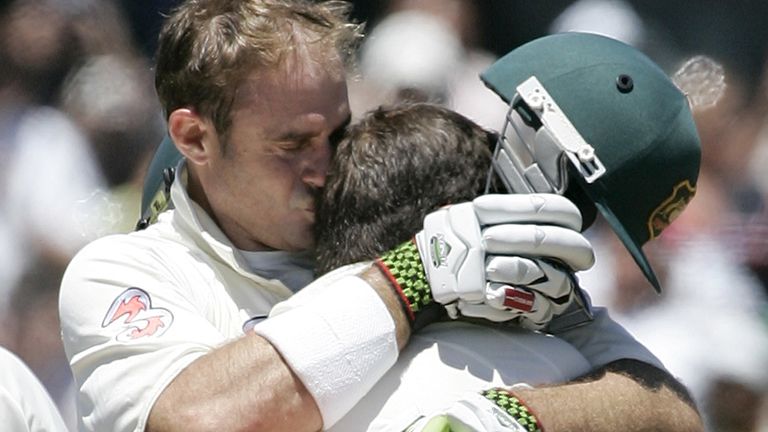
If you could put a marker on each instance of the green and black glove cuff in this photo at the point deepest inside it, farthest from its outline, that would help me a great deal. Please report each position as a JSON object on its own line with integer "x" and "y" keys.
{"x": 515, "y": 408}
{"x": 404, "y": 269}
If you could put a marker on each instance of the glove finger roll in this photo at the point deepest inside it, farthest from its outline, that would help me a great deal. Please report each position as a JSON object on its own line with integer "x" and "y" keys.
{"x": 507, "y": 296}
{"x": 544, "y": 209}
{"x": 482, "y": 310}
{"x": 541, "y": 314}
{"x": 535, "y": 310}
{"x": 513, "y": 270}
{"x": 544, "y": 241}
{"x": 558, "y": 283}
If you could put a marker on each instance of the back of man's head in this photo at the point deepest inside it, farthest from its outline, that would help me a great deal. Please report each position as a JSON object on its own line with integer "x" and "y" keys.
{"x": 395, "y": 166}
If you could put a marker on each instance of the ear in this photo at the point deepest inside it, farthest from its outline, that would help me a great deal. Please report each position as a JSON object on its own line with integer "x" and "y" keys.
{"x": 193, "y": 135}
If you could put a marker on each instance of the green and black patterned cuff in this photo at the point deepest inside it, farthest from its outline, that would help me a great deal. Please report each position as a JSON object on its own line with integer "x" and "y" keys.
{"x": 403, "y": 267}
{"x": 515, "y": 408}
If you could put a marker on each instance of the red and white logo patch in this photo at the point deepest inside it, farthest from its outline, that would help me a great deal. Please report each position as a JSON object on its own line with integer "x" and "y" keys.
{"x": 133, "y": 316}
{"x": 519, "y": 299}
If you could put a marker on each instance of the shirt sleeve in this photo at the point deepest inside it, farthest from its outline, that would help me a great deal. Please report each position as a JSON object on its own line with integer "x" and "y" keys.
{"x": 130, "y": 324}
{"x": 25, "y": 405}
{"x": 603, "y": 340}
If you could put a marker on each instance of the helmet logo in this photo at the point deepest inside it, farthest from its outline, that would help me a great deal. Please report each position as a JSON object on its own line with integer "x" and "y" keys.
{"x": 670, "y": 208}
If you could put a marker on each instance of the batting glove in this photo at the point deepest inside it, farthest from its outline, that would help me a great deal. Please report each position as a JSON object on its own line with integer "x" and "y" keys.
{"x": 536, "y": 291}
{"x": 499, "y": 257}
{"x": 480, "y": 413}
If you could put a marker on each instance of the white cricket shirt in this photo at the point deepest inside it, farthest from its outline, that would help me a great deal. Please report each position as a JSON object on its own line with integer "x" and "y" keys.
{"x": 25, "y": 405}
{"x": 444, "y": 361}
{"x": 137, "y": 308}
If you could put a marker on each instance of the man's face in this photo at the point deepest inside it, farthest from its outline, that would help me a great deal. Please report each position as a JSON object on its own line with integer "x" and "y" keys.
{"x": 262, "y": 186}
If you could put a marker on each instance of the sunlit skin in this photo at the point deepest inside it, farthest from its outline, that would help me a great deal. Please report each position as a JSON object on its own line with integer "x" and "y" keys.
{"x": 261, "y": 185}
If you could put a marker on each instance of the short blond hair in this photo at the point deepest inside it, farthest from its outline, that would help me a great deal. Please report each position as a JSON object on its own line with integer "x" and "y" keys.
{"x": 207, "y": 48}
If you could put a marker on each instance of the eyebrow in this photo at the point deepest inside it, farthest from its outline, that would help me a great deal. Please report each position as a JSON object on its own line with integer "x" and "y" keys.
{"x": 334, "y": 136}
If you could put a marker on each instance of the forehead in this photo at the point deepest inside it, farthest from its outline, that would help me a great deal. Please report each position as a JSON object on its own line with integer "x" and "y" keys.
{"x": 299, "y": 93}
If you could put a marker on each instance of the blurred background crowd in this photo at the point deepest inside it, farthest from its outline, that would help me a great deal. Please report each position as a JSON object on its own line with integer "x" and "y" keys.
{"x": 79, "y": 121}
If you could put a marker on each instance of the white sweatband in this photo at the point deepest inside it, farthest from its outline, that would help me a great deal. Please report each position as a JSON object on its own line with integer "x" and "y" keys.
{"x": 339, "y": 345}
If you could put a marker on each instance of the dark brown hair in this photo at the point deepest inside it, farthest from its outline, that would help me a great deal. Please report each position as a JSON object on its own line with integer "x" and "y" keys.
{"x": 392, "y": 168}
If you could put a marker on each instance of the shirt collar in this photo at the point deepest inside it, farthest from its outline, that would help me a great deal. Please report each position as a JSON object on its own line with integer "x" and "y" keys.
{"x": 197, "y": 225}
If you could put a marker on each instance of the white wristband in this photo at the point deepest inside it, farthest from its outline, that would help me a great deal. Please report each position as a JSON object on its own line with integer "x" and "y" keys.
{"x": 339, "y": 345}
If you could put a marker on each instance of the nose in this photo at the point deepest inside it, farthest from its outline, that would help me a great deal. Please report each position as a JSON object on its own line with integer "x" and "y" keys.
{"x": 316, "y": 165}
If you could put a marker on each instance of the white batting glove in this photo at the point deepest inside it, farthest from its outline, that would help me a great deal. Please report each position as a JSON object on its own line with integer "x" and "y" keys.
{"x": 543, "y": 292}
{"x": 472, "y": 413}
{"x": 503, "y": 257}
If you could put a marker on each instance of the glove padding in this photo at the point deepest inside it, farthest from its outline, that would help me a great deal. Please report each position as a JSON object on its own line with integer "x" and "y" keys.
{"x": 472, "y": 413}
{"x": 504, "y": 257}
{"x": 547, "y": 295}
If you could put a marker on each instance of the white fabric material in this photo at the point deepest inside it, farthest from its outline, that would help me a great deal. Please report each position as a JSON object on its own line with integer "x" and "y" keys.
{"x": 611, "y": 342}
{"x": 294, "y": 269}
{"x": 339, "y": 352}
{"x": 198, "y": 288}
{"x": 445, "y": 361}
{"x": 25, "y": 406}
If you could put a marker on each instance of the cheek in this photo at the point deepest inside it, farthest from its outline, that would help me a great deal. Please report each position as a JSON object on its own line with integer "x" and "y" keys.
{"x": 273, "y": 181}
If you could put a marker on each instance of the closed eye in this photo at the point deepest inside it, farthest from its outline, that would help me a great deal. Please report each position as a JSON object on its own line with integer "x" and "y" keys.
{"x": 294, "y": 145}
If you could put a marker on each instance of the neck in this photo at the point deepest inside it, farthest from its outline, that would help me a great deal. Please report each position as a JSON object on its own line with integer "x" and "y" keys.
{"x": 237, "y": 235}
{"x": 196, "y": 191}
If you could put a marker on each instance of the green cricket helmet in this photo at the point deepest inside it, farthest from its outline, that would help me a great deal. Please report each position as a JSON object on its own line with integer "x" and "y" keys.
{"x": 155, "y": 197}
{"x": 597, "y": 120}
